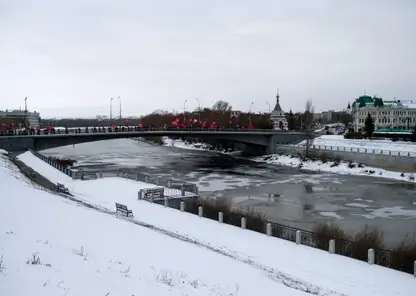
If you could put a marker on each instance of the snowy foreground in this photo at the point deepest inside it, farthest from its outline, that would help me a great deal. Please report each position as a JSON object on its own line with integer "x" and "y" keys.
{"x": 164, "y": 252}
{"x": 293, "y": 161}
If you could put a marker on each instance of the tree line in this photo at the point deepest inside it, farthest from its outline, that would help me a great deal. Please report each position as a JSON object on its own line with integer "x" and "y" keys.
{"x": 222, "y": 113}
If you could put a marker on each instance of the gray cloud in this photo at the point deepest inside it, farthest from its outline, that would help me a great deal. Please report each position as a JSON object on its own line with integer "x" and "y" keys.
{"x": 70, "y": 57}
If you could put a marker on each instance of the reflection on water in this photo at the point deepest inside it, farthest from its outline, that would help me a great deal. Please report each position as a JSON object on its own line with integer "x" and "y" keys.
{"x": 351, "y": 201}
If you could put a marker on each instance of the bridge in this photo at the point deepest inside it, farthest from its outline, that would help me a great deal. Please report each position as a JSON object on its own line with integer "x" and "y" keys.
{"x": 264, "y": 140}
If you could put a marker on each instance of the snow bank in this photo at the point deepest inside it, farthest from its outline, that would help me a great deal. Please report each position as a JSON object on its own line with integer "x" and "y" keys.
{"x": 191, "y": 146}
{"x": 329, "y": 167}
{"x": 2, "y": 151}
{"x": 385, "y": 145}
{"x": 110, "y": 187}
{"x": 261, "y": 265}
{"x": 50, "y": 246}
{"x": 291, "y": 161}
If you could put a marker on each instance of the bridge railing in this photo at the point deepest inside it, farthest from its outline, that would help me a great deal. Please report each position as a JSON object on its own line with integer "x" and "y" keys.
{"x": 137, "y": 130}
{"x": 172, "y": 187}
{"x": 364, "y": 150}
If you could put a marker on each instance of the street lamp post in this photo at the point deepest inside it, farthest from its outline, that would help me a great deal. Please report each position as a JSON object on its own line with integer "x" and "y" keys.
{"x": 199, "y": 109}
{"x": 269, "y": 106}
{"x": 111, "y": 111}
{"x": 184, "y": 106}
{"x": 25, "y": 113}
{"x": 249, "y": 114}
{"x": 120, "y": 105}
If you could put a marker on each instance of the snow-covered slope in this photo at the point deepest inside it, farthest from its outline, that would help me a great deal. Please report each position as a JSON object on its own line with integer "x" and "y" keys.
{"x": 51, "y": 246}
{"x": 250, "y": 263}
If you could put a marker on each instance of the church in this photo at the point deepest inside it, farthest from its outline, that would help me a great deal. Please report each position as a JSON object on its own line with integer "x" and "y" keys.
{"x": 277, "y": 116}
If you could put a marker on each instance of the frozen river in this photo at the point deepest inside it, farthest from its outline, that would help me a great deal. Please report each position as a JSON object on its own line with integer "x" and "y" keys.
{"x": 350, "y": 201}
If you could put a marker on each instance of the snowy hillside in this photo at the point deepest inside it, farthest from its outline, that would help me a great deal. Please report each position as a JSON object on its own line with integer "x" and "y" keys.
{"x": 52, "y": 246}
{"x": 164, "y": 252}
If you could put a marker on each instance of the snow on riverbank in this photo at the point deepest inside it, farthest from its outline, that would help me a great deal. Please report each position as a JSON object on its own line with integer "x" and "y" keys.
{"x": 294, "y": 161}
{"x": 51, "y": 246}
{"x": 386, "y": 145}
{"x": 110, "y": 186}
{"x": 193, "y": 146}
{"x": 83, "y": 251}
{"x": 342, "y": 168}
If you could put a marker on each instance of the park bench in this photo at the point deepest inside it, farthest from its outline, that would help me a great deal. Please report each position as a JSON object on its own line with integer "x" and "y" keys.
{"x": 123, "y": 210}
{"x": 88, "y": 176}
{"x": 61, "y": 188}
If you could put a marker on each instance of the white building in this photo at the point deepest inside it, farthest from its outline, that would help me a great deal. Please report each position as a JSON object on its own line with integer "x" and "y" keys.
{"x": 277, "y": 116}
{"x": 33, "y": 118}
{"x": 386, "y": 115}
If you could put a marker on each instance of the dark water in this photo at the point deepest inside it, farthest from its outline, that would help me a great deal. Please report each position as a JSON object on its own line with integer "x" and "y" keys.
{"x": 350, "y": 201}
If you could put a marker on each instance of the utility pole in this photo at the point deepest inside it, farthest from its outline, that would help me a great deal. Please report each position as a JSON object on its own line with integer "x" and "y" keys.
{"x": 25, "y": 113}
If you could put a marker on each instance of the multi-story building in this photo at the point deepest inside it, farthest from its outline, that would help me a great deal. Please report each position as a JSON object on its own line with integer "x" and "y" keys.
{"x": 386, "y": 115}
{"x": 33, "y": 118}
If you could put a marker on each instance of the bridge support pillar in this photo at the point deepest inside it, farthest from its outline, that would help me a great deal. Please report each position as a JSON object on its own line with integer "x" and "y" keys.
{"x": 271, "y": 147}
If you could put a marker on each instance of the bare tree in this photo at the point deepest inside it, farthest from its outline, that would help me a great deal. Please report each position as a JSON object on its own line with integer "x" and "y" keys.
{"x": 222, "y": 106}
{"x": 308, "y": 126}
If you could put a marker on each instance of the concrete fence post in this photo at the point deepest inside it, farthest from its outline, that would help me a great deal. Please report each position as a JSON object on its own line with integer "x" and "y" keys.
{"x": 137, "y": 177}
{"x": 243, "y": 222}
{"x": 139, "y": 194}
{"x": 298, "y": 237}
{"x": 146, "y": 179}
{"x": 182, "y": 206}
{"x": 151, "y": 199}
{"x": 370, "y": 256}
{"x": 200, "y": 211}
{"x": 169, "y": 184}
{"x": 166, "y": 201}
{"x": 331, "y": 246}
{"x": 183, "y": 191}
{"x": 269, "y": 229}
{"x": 101, "y": 174}
{"x": 220, "y": 217}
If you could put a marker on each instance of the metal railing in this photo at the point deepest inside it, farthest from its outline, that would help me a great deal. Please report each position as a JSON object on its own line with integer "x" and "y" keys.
{"x": 79, "y": 131}
{"x": 363, "y": 150}
{"x": 173, "y": 188}
{"x": 353, "y": 249}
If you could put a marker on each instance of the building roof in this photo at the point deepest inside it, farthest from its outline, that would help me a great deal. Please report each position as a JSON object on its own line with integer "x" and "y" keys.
{"x": 277, "y": 107}
{"x": 367, "y": 101}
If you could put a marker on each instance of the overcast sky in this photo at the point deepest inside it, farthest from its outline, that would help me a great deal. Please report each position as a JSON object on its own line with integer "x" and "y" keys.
{"x": 70, "y": 57}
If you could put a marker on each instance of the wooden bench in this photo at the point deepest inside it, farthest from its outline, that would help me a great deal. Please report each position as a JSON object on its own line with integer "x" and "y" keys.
{"x": 61, "y": 188}
{"x": 122, "y": 209}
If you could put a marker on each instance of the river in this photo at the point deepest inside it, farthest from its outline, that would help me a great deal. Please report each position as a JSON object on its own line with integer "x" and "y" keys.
{"x": 350, "y": 201}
